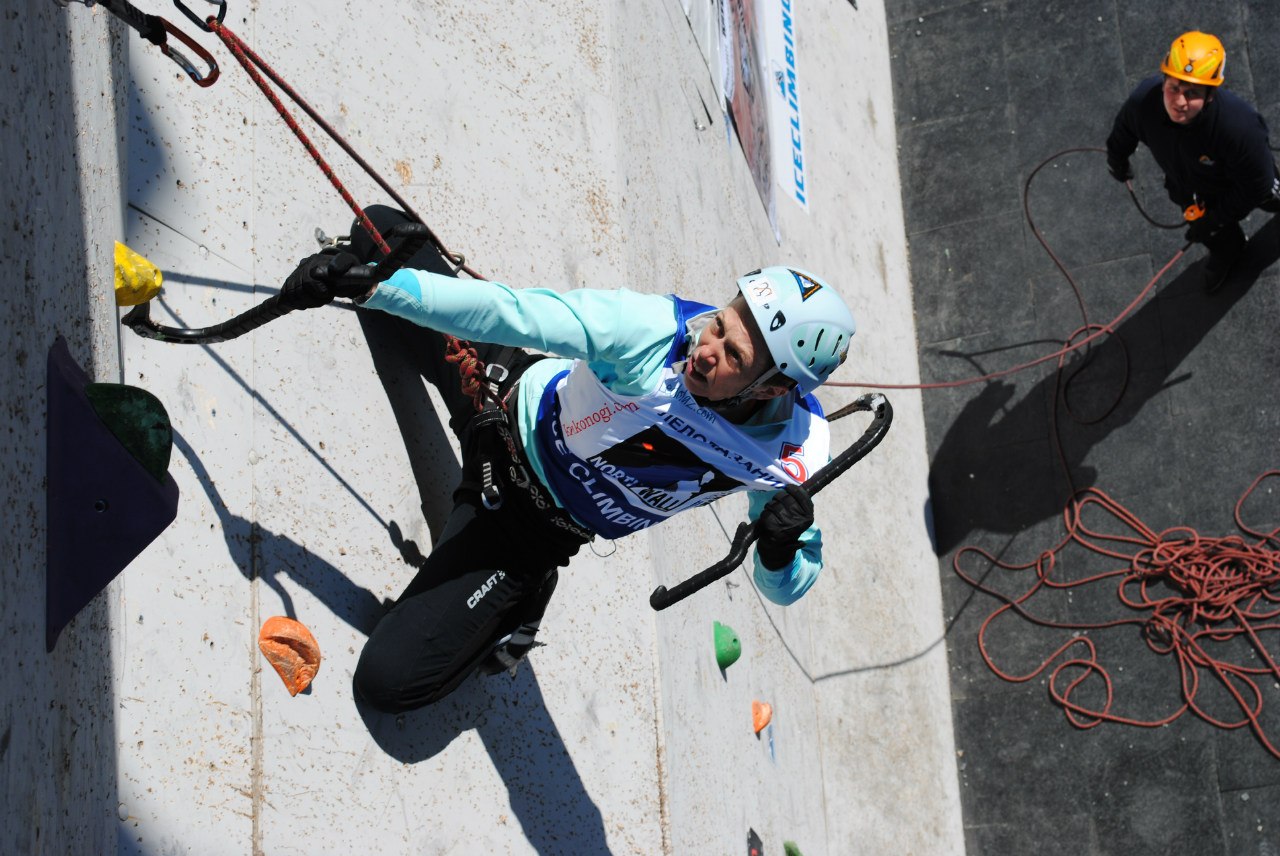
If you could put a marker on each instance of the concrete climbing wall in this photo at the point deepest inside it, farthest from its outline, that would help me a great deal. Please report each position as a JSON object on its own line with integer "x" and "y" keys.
{"x": 60, "y": 184}
{"x": 555, "y": 144}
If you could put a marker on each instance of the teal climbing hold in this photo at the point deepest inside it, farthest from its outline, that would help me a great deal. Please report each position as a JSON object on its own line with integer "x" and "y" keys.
{"x": 728, "y": 648}
{"x": 138, "y": 420}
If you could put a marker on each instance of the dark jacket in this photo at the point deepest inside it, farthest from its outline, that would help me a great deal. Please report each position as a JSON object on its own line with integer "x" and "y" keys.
{"x": 1222, "y": 157}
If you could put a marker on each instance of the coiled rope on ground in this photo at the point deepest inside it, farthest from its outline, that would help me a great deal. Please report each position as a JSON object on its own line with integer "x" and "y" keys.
{"x": 1191, "y": 595}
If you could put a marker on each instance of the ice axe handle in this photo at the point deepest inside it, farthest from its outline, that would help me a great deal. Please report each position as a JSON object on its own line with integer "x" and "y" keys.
{"x": 410, "y": 238}
{"x": 874, "y": 403}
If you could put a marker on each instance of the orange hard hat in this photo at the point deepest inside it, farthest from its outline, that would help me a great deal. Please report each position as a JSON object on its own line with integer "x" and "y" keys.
{"x": 1196, "y": 57}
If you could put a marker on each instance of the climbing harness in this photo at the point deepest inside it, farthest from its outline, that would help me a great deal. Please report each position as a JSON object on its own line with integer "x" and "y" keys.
{"x": 873, "y": 403}
{"x": 496, "y": 455}
{"x": 157, "y": 30}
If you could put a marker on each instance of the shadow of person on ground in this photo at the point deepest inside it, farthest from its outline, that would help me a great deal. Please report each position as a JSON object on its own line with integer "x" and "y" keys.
{"x": 987, "y": 477}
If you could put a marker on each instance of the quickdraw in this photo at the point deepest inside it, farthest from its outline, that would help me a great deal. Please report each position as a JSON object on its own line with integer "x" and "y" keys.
{"x": 459, "y": 352}
{"x": 157, "y": 30}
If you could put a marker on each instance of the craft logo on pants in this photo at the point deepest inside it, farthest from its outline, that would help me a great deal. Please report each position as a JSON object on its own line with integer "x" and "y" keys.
{"x": 484, "y": 589}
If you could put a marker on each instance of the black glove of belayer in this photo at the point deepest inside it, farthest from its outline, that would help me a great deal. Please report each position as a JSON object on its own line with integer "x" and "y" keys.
{"x": 316, "y": 281}
{"x": 784, "y": 519}
{"x": 1119, "y": 168}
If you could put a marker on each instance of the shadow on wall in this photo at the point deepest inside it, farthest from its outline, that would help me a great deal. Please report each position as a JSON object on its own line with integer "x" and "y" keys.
{"x": 254, "y": 549}
{"x": 510, "y": 717}
{"x": 57, "y": 732}
{"x": 985, "y": 477}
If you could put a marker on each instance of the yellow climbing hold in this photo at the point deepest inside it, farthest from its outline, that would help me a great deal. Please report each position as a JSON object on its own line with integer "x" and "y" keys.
{"x": 137, "y": 280}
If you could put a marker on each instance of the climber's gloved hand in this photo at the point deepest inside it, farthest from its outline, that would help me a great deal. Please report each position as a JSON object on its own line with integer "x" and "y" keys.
{"x": 1120, "y": 168}
{"x": 784, "y": 519}
{"x": 313, "y": 282}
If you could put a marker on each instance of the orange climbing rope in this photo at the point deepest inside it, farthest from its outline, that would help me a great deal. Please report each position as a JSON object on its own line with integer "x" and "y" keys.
{"x": 458, "y": 351}
{"x": 1190, "y": 595}
{"x": 1093, "y": 331}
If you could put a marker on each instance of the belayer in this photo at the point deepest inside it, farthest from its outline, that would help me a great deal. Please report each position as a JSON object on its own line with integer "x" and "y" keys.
{"x": 644, "y": 406}
{"x": 1211, "y": 144}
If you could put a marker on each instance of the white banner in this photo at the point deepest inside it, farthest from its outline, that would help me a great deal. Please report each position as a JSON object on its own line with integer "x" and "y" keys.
{"x": 786, "y": 134}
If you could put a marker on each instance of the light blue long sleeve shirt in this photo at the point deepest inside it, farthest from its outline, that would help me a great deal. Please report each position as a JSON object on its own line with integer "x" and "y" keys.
{"x": 624, "y": 337}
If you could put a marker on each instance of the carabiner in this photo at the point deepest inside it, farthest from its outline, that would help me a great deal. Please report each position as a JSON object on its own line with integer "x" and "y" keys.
{"x": 181, "y": 59}
{"x": 201, "y": 22}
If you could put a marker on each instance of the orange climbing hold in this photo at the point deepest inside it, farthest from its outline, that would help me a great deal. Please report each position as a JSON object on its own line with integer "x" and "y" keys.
{"x": 761, "y": 714}
{"x": 291, "y": 650}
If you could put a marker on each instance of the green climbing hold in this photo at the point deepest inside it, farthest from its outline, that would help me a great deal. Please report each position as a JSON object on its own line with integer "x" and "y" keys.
{"x": 790, "y": 849}
{"x": 728, "y": 648}
{"x": 138, "y": 420}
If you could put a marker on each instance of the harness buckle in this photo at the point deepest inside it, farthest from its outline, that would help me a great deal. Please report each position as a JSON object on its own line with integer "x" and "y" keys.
{"x": 490, "y": 495}
{"x": 495, "y": 373}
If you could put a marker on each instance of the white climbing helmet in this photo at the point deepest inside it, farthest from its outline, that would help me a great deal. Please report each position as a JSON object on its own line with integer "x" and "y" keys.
{"x": 805, "y": 323}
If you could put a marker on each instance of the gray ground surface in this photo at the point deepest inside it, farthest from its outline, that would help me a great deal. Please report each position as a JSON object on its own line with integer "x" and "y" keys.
{"x": 984, "y": 92}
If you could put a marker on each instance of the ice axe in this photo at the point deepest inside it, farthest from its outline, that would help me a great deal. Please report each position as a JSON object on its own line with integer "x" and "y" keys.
{"x": 874, "y": 403}
{"x": 410, "y": 236}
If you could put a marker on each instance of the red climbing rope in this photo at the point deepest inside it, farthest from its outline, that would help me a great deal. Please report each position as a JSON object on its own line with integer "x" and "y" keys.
{"x": 1085, "y": 327}
{"x": 459, "y": 352}
{"x": 1098, "y": 331}
{"x": 1190, "y": 595}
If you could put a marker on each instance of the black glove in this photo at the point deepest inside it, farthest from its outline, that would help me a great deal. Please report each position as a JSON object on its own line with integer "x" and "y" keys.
{"x": 1204, "y": 228}
{"x": 310, "y": 285}
{"x": 783, "y": 520}
{"x": 1119, "y": 168}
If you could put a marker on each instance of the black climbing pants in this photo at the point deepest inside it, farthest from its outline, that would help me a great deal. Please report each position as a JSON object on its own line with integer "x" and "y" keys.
{"x": 487, "y": 564}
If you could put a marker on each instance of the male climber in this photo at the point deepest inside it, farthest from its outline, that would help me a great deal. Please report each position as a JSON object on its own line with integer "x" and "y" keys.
{"x": 1211, "y": 144}
{"x": 647, "y": 406}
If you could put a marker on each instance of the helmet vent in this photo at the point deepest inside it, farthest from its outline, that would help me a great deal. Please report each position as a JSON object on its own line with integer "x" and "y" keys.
{"x": 817, "y": 341}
